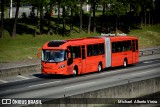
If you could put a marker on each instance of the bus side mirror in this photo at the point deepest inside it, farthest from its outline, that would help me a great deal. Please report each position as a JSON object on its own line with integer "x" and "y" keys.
{"x": 69, "y": 55}
{"x": 39, "y": 53}
{"x": 70, "y": 59}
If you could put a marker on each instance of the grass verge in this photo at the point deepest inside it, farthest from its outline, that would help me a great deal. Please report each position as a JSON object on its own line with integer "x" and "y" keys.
{"x": 25, "y": 46}
{"x": 148, "y": 36}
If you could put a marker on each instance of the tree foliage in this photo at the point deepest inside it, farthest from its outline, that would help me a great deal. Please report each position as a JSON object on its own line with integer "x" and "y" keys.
{"x": 115, "y": 14}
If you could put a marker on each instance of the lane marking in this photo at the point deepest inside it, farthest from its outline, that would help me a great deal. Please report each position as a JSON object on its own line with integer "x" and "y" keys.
{"x": 3, "y": 81}
{"x": 79, "y": 85}
{"x": 117, "y": 71}
{"x": 44, "y": 84}
{"x": 20, "y": 76}
{"x": 144, "y": 72}
{"x": 146, "y": 62}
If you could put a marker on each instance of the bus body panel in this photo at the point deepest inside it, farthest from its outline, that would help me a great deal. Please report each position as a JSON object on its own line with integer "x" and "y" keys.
{"x": 119, "y": 57}
{"x": 54, "y": 68}
{"x": 92, "y": 63}
{"x": 83, "y": 59}
{"x": 135, "y": 51}
{"x": 89, "y": 63}
{"x": 78, "y": 62}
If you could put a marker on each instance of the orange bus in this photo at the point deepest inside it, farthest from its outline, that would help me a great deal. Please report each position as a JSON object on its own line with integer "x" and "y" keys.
{"x": 80, "y": 56}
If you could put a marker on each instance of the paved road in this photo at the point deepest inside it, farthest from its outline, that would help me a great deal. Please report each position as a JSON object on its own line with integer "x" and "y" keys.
{"x": 41, "y": 86}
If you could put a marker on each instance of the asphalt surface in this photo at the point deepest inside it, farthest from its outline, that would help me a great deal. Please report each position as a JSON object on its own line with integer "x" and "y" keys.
{"x": 43, "y": 86}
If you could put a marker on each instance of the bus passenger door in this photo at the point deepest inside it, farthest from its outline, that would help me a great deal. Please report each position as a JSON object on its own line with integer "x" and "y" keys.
{"x": 70, "y": 60}
{"x": 133, "y": 51}
{"x": 83, "y": 60}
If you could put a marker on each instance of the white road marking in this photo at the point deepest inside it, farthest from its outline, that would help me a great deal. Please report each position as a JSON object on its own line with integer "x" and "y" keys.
{"x": 23, "y": 77}
{"x": 80, "y": 85}
{"x": 146, "y": 62}
{"x": 144, "y": 72}
{"x": 3, "y": 81}
{"x": 44, "y": 84}
{"x": 120, "y": 70}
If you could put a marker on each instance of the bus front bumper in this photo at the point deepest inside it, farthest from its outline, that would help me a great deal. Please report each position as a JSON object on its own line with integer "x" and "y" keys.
{"x": 61, "y": 71}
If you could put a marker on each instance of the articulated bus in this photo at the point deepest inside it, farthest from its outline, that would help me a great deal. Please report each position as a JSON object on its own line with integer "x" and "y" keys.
{"x": 86, "y": 55}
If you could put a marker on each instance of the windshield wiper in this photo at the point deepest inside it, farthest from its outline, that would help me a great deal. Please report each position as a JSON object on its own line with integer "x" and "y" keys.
{"x": 46, "y": 60}
{"x": 49, "y": 59}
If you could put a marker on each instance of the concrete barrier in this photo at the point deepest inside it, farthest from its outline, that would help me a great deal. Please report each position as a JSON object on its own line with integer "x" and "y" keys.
{"x": 149, "y": 51}
{"x": 20, "y": 70}
{"x": 128, "y": 90}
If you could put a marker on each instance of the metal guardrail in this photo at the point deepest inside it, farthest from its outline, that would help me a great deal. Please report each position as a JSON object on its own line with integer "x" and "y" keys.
{"x": 145, "y": 52}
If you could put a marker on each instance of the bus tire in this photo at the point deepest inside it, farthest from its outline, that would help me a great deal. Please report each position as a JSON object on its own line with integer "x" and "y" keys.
{"x": 99, "y": 67}
{"x": 125, "y": 63}
{"x": 75, "y": 71}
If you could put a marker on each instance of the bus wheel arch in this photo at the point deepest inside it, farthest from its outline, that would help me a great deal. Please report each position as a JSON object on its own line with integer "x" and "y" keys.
{"x": 75, "y": 70}
{"x": 100, "y": 66}
{"x": 125, "y": 62}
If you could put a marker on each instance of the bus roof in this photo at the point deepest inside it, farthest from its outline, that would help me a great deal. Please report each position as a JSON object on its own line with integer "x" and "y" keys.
{"x": 62, "y": 44}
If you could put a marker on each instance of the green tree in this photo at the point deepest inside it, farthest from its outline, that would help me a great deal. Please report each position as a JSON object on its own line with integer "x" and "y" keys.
{"x": 49, "y": 8}
{"x": 147, "y": 6}
{"x": 40, "y": 5}
{"x": 57, "y": 23}
{"x": 63, "y": 5}
{"x": 16, "y": 18}
{"x": 89, "y": 18}
{"x": 72, "y": 7}
{"x": 118, "y": 8}
{"x": 81, "y": 16}
{"x": 104, "y": 4}
{"x": 94, "y": 16}
{"x": 2, "y": 19}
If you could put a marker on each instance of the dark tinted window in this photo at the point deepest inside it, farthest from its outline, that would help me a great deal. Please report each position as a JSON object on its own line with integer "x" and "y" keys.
{"x": 76, "y": 52}
{"x": 55, "y": 43}
{"x": 83, "y": 52}
{"x": 89, "y": 50}
{"x": 121, "y": 46}
{"x": 128, "y": 47}
{"x": 136, "y": 44}
{"x": 101, "y": 48}
{"x": 95, "y": 49}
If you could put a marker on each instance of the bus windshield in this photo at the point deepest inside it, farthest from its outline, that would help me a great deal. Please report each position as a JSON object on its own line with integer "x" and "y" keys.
{"x": 53, "y": 55}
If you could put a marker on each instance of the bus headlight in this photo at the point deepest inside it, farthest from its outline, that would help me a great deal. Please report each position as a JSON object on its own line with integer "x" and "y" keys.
{"x": 62, "y": 66}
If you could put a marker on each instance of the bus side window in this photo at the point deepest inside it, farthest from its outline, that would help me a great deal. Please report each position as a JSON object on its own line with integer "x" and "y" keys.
{"x": 95, "y": 50}
{"x": 83, "y": 52}
{"x": 133, "y": 46}
{"x": 136, "y": 44}
{"x": 124, "y": 48}
{"x": 89, "y": 50}
{"x": 113, "y": 47}
{"x": 76, "y": 52}
{"x": 128, "y": 45}
{"x": 118, "y": 47}
{"x": 101, "y": 49}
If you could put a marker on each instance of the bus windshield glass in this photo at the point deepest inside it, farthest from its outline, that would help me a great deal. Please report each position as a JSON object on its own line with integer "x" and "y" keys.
{"x": 53, "y": 55}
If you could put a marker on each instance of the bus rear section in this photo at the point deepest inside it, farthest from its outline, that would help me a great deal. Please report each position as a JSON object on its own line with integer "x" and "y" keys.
{"x": 124, "y": 51}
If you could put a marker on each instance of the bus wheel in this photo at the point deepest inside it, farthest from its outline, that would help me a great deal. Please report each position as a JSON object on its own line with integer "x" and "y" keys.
{"x": 125, "y": 63}
{"x": 75, "y": 72}
{"x": 99, "y": 67}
